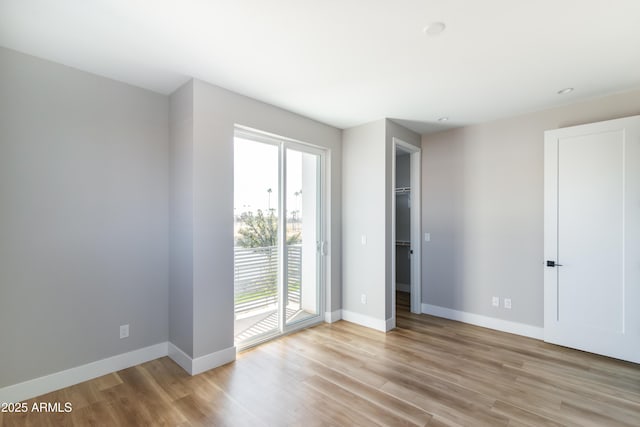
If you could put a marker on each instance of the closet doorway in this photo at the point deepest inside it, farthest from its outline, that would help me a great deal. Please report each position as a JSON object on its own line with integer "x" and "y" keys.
{"x": 406, "y": 272}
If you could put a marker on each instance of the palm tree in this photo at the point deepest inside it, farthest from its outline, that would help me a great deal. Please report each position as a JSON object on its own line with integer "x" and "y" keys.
{"x": 269, "y": 202}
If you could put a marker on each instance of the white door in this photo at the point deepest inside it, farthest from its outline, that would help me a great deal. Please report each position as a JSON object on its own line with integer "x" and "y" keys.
{"x": 592, "y": 238}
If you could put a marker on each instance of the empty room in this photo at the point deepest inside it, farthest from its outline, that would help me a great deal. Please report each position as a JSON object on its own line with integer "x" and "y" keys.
{"x": 287, "y": 213}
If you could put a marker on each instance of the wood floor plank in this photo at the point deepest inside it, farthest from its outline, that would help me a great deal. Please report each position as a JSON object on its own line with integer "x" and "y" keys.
{"x": 428, "y": 371}
{"x": 399, "y": 407}
{"x": 521, "y": 416}
{"x": 99, "y": 414}
{"x": 352, "y": 402}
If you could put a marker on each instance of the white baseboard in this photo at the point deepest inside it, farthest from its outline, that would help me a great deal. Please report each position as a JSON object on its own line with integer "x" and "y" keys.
{"x": 201, "y": 364}
{"x": 485, "y": 321}
{"x": 213, "y": 360}
{"x": 403, "y": 287}
{"x": 332, "y": 316}
{"x": 390, "y": 324}
{"x": 180, "y": 357}
{"x": 364, "y": 320}
{"x": 39, "y": 386}
{"x": 43, "y": 385}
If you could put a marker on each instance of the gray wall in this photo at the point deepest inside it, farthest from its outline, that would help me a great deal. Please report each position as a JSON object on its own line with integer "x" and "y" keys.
{"x": 403, "y": 169}
{"x": 214, "y": 113}
{"x": 483, "y": 205}
{"x": 181, "y": 219}
{"x": 368, "y": 155}
{"x": 83, "y": 217}
{"x": 363, "y": 213}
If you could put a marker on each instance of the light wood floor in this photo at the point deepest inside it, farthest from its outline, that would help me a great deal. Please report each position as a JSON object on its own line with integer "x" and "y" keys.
{"x": 429, "y": 371}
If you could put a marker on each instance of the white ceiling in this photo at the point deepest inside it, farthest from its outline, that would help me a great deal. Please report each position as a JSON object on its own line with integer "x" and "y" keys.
{"x": 347, "y": 62}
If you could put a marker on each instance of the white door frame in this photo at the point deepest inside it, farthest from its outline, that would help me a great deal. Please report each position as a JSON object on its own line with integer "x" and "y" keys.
{"x": 416, "y": 244}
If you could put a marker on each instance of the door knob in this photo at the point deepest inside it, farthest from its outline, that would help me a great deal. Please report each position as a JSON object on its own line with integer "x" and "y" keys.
{"x": 553, "y": 264}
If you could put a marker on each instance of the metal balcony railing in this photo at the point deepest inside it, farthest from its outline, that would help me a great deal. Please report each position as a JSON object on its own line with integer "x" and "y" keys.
{"x": 256, "y": 277}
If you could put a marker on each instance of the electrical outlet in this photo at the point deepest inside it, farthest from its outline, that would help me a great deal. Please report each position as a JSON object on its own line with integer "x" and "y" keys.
{"x": 363, "y": 239}
{"x": 427, "y": 237}
{"x": 507, "y": 303}
{"x": 495, "y": 301}
{"x": 124, "y": 331}
{"x": 363, "y": 298}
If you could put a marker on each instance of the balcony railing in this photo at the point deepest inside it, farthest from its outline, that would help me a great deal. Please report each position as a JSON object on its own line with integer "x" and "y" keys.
{"x": 256, "y": 277}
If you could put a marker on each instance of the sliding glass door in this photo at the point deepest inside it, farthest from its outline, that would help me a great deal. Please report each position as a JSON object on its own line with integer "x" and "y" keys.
{"x": 302, "y": 190}
{"x": 278, "y": 236}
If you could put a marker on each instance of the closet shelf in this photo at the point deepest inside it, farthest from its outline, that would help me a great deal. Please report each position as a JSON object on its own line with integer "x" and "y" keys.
{"x": 403, "y": 243}
{"x": 403, "y": 190}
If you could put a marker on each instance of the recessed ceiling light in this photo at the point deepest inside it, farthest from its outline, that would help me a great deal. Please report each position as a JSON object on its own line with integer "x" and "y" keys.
{"x": 443, "y": 119}
{"x": 434, "y": 28}
{"x": 565, "y": 90}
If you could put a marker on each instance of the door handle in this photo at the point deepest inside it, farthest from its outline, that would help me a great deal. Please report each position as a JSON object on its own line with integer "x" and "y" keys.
{"x": 553, "y": 264}
{"x": 322, "y": 247}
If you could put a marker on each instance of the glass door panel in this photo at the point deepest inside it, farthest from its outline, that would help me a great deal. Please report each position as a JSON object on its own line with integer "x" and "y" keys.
{"x": 301, "y": 287}
{"x": 256, "y": 219}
